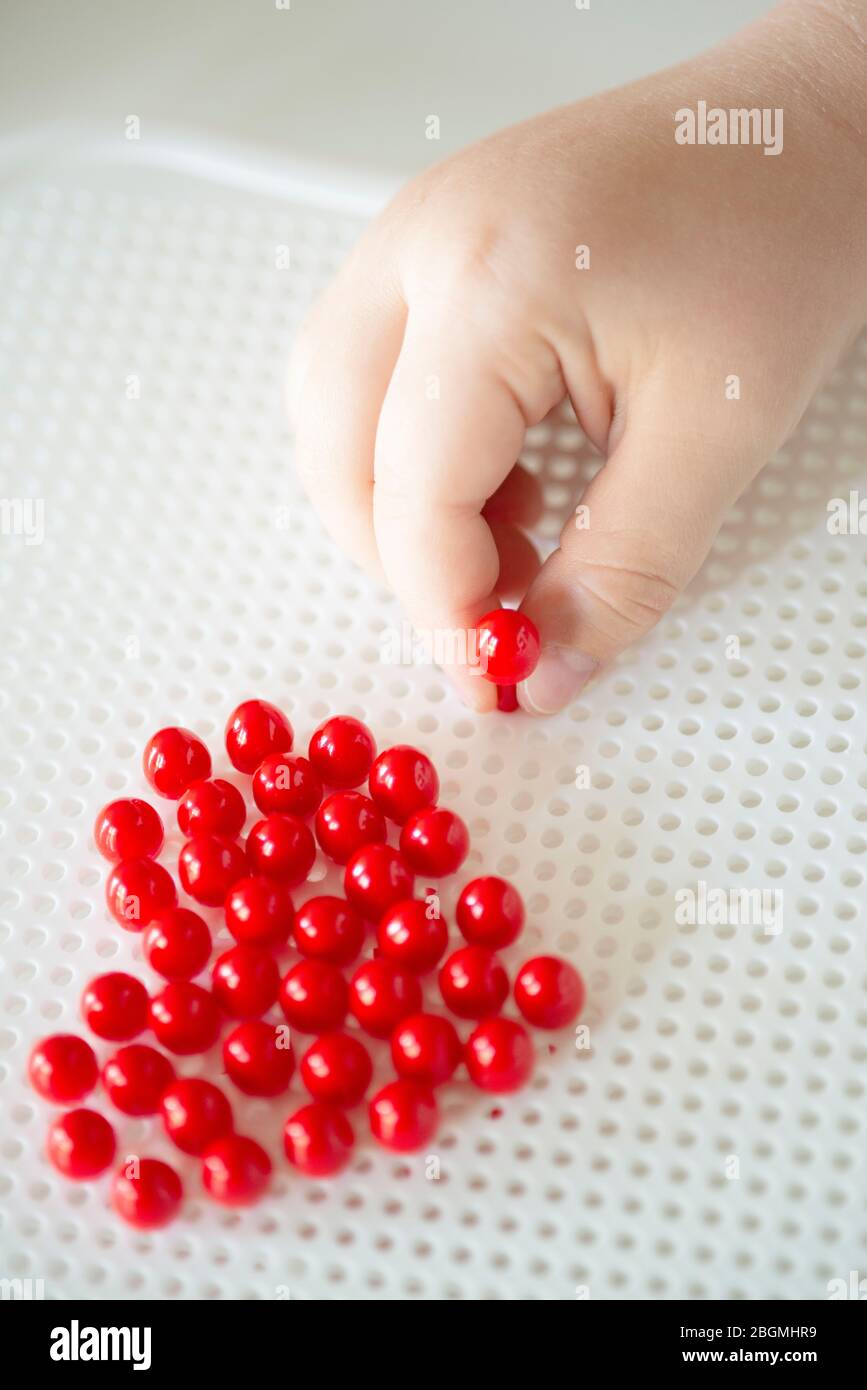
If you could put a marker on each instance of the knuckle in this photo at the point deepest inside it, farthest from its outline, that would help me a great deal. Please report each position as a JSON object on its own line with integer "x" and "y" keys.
{"x": 628, "y": 593}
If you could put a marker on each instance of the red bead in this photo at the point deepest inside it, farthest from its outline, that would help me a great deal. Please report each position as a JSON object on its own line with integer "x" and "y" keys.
{"x": 549, "y": 992}
{"x": 138, "y": 889}
{"x": 80, "y": 1144}
{"x": 473, "y": 983}
{"x": 136, "y": 1077}
{"x": 254, "y": 730}
{"x": 209, "y": 866}
{"x": 411, "y": 936}
{"x": 281, "y": 847}
{"x": 212, "y": 807}
{"x": 259, "y": 911}
{"x": 245, "y": 981}
{"x": 147, "y": 1193}
{"x": 507, "y": 698}
{"x": 318, "y": 1140}
{"x": 376, "y": 878}
{"x": 508, "y": 646}
{"x": 403, "y": 780}
{"x": 235, "y": 1170}
{"x": 381, "y": 994}
{"x": 490, "y": 912}
{"x": 426, "y": 1048}
{"x": 403, "y": 1115}
{"x": 435, "y": 842}
{"x": 499, "y": 1055}
{"x": 173, "y": 759}
{"x": 128, "y": 829}
{"x": 258, "y": 1058}
{"x": 345, "y": 821}
{"x": 342, "y": 751}
{"x": 327, "y": 928}
{"x": 62, "y": 1068}
{"x": 195, "y": 1113}
{"x": 337, "y": 1068}
{"x": 177, "y": 944}
{"x": 287, "y": 785}
{"x": 115, "y": 1006}
{"x": 184, "y": 1017}
{"x": 314, "y": 997}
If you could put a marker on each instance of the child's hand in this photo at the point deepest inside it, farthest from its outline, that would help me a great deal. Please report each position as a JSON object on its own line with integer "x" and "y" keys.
{"x": 723, "y": 284}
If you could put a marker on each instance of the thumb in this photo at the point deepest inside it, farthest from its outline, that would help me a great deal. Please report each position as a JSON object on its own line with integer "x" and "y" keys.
{"x": 641, "y": 531}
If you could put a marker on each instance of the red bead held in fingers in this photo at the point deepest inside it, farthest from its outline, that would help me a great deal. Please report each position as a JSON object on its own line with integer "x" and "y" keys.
{"x": 245, "y": 981}
{"x": 212, "y": 807}
{"x": 549, "y": 992}
{"x": 345, "y": 821}
{"x": 490, "y": 912}
{"x": 253, "y": 731}
{"x": 173, "y": 759}
{"x": 318, "y": 1140}
{"x": 195, "y": 1112}
{"x": 115, "y": 1006}
{"x": 342, "y": 751}
{"x": 138, "y": 889}
{"x": 177, "y": 944}
{"x": 473, "y": 983}
{"x": 184, "y": 1017}
{"x": 375, "y": 878}
{"x": 381, "y": 994}
{"x": 327, "y": 928}
{"x": 314, "y": 997}
{"x": 499, "y": 1055}
{"x": 258, "y": 1057}
{"x": 509, "y": 646}
{"x": 281, "y": 847}
{"x": 62, "y": 1068}
{"x": 135, "y": 1077}
{"x": 435, "y": 842}
{"x": 235, "y": 1170}
{"x": 128, "y": 829}
{"x": 336, "y": 1068}
{"x": 426, "y": 1048}
{"x": 259, "y": 911}
{"x": 403, "y": 1115}
{"x": 412, "y": 935}
{"x": 287, "y": 785}
{"x": 80, "y": 1144}
{"x": 147, "y": 1193}
{"x": 209, "y": 866}
{"x": 403, "y": 780}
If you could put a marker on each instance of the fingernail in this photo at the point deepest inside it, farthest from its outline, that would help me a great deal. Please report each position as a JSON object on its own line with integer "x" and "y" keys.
{"x": 560, "y": 676}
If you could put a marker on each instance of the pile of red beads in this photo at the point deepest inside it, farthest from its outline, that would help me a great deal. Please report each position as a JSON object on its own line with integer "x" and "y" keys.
{"x": 362, "y": 956}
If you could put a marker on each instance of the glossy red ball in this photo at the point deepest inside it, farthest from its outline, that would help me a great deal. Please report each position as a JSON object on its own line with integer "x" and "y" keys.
{"x": 235, "y": 1170}
{"x": 327, "y": 928}
{"x": 253, "y": 731}
{"x": 212, "y": 807}
{"x": 337, "y": 1068}
{"x": 147, "y": 1193}
{"x": 381, "y": 994}
{"x": 138, "y": 889}
{"x": 286, "y": 785}
{"x": 499, "y": 1055}
{"x": 62, "y": 1068}
{"x": 345, "y": 821}
{"x": 549, "y": 992}
{"x": 412, "y": 935}
{"x": 376, "y": 877}
{"x": 173, "y": 759}
{"x": 435, "y": 842}
{"x": 259, "y": 911}
{"x": 314, "y": 997}
{"x": 184, "y": 1017}
{"x": 342, "y": 751}
{"x": 509, "y": 646}
{"x": 209, "y": 866}
{"x": 115, "y": 1006}
{"x": 245, "y": 981}
{"x": 135, "y": 1077}
{"x": 403, "y": 1115}
{"x": 490, "y": 912}
{"x": 258, "y": 1057}
{"x": 177, "y": 944}
{"x": 128, "y": 829}
{"x": 318, "y": 1140}
{"x": 195, "y": 1113}
{"x": 473, "y": 983}
{"x": 403, "y": 780}
{"x": 426, "y": 1048}
{"x": 80, "y": 1144}
{"x": 281, "y": 847}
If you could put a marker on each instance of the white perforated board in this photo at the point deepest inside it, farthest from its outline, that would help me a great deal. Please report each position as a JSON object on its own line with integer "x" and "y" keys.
{"x": 144, "y": 330}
